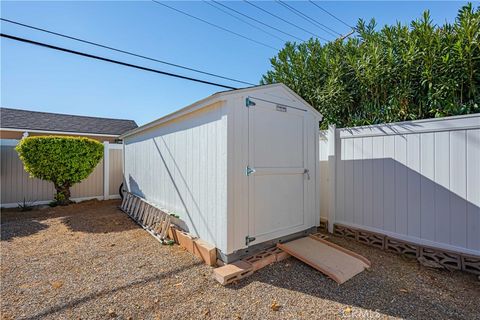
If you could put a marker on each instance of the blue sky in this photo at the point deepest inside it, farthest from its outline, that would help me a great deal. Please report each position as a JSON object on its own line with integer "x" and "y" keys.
{"x": 40, "y": 79}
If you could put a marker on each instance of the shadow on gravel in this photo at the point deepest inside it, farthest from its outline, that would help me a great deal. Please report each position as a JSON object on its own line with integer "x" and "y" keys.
{"x": 89, "y": 216}
{"x": 21, "y": 228}
{"x": 98, "y": 222}
{"x": 102, "y": 293}
{"x": 401, "y": 289}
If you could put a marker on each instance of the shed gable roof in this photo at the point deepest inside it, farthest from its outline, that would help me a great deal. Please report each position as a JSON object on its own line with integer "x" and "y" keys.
{"x": 45, "y": 121}
{"x": 216, "y": 97}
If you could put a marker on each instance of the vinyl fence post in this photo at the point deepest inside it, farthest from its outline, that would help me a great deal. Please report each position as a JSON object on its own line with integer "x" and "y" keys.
{"x": 331, "y": 175}
{"x": 106, "y": 170}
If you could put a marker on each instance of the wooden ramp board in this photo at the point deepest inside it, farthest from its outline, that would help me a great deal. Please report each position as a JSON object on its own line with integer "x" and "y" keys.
{"x": 336, "y": 262}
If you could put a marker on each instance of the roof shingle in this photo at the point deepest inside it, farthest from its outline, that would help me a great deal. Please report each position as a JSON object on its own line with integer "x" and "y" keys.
{"x": 34, "y": 120}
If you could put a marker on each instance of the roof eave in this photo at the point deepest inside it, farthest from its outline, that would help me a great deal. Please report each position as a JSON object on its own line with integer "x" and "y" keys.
{"x": 60, "y": 132}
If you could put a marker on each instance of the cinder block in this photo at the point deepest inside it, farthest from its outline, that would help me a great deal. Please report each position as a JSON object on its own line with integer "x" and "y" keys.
{"x": 232, "y": 272}
{"x": 281, "y": 256}
{"x": 205, "y": 251}
{"x": 263, "y": 262}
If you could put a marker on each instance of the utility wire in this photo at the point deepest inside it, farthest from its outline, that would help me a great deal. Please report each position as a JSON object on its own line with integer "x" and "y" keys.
{"x": 243, "y": 20}
{"x": 215, "y": 25}
{"x": 258, "y": 21}
{"x": 83, "y": 54}
{"x": 284, "y": 20}
{"x": 123, "y": 51}
{"x": 309, "y": 19}
{"x": 330, "y": 14}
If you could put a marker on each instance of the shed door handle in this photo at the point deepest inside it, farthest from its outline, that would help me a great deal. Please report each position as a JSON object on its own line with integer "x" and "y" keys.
{"x": 307, "y": 172}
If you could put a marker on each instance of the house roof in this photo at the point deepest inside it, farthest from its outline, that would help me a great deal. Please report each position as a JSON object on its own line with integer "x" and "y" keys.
{"x": 215, "y": 97}
{"x": 45, "y": 121}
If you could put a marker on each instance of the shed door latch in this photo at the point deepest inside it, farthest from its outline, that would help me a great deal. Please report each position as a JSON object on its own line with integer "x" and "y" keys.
{"x": 307, "y": 173}
{"x": 249, "y": 239}
{"x": 249, "y": 171}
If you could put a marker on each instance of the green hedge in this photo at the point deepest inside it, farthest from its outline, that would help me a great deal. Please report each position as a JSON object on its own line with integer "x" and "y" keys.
{"x": 395, "y": 73}
{"x": 61, "y": 160}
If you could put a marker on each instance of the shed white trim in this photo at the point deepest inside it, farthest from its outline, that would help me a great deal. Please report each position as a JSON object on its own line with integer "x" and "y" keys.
{"x": 209, "y": 101}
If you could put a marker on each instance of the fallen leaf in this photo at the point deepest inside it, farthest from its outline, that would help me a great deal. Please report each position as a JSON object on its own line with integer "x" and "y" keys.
{"x": 156, "y": 300}
{"x": 275, "y": 306}
{"x": 347, "y": 310}
{"x": 112, "y": 313}
{"x": 178, "y": 284}
{"x": 207, "y": 312}
{"x": 403, "y": 290}
{"x": 57, "y": 284}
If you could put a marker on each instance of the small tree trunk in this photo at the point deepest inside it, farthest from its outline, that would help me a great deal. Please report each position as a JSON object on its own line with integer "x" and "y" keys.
{"x": 63, "y": 194}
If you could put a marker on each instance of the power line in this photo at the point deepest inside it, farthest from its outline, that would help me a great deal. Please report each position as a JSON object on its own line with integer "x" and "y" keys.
{"x": 258, "y": 21}
{"x": 309, "y": 19}
{"x": 215, "y": 25}
{"x": 244, "y": 21}
{"x": 331, "y": 14}
{"x": 45, "y": 45}
{"x": 284, "y": 20}
{"x": 123, "y": 51}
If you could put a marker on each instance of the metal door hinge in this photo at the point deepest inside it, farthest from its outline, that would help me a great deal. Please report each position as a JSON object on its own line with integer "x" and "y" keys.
{"x": 249, "y": 102}
{"x": 249, "y": 171}
{"x": 249, "y": 239}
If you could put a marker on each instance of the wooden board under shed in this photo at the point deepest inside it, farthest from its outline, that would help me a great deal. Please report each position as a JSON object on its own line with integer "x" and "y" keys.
{"x": 336, "y": 262}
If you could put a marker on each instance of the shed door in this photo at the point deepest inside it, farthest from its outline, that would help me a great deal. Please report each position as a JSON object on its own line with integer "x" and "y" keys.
{"x": 277, "y": 187}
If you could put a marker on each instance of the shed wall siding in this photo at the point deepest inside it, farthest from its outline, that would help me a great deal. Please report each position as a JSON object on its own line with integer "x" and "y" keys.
{"x": 182, "y": 167}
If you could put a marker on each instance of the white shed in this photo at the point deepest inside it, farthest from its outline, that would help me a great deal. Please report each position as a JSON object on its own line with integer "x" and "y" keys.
{"x": 239, "y": 167}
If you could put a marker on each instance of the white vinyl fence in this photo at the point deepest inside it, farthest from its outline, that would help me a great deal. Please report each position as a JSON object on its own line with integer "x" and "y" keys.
{"x": 417, "y": 181}
{"x": 17, "y": 186}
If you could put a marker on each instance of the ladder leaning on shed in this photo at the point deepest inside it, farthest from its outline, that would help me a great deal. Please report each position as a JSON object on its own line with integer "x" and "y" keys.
{"x": 154, "y": 220}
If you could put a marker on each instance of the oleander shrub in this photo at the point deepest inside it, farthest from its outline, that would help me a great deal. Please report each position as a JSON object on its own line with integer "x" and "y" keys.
{"x": 394, "y": 73}
{"x": 61, "y": 160}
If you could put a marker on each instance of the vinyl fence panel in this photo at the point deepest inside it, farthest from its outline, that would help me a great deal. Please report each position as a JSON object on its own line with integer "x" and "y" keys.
{"x": 17, "y": 186}
{"x": 417, "y": 181}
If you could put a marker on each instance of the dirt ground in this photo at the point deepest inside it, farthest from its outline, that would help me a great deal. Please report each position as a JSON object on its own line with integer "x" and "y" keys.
{"x": 90, "y": 261}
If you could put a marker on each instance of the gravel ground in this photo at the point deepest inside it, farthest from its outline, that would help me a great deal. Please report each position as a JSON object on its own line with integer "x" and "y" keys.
{"x": 90, "y": 261}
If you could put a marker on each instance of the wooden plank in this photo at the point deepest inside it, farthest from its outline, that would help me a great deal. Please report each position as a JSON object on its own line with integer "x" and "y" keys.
{"x": 232, "y": 272}
{"x": 205, "y": 251}
{"x": 336, "y": 262}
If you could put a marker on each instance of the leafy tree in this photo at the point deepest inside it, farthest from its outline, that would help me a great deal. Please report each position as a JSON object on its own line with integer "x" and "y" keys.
{"x": 61, "y": 160}
{"x": 396, "y": 73}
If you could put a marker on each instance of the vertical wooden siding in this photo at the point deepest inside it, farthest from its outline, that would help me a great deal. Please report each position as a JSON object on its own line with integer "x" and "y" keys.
{"x": 181, "y": 166}
{"x": 16, "y": 183}
{"x": 418, "y": 180}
